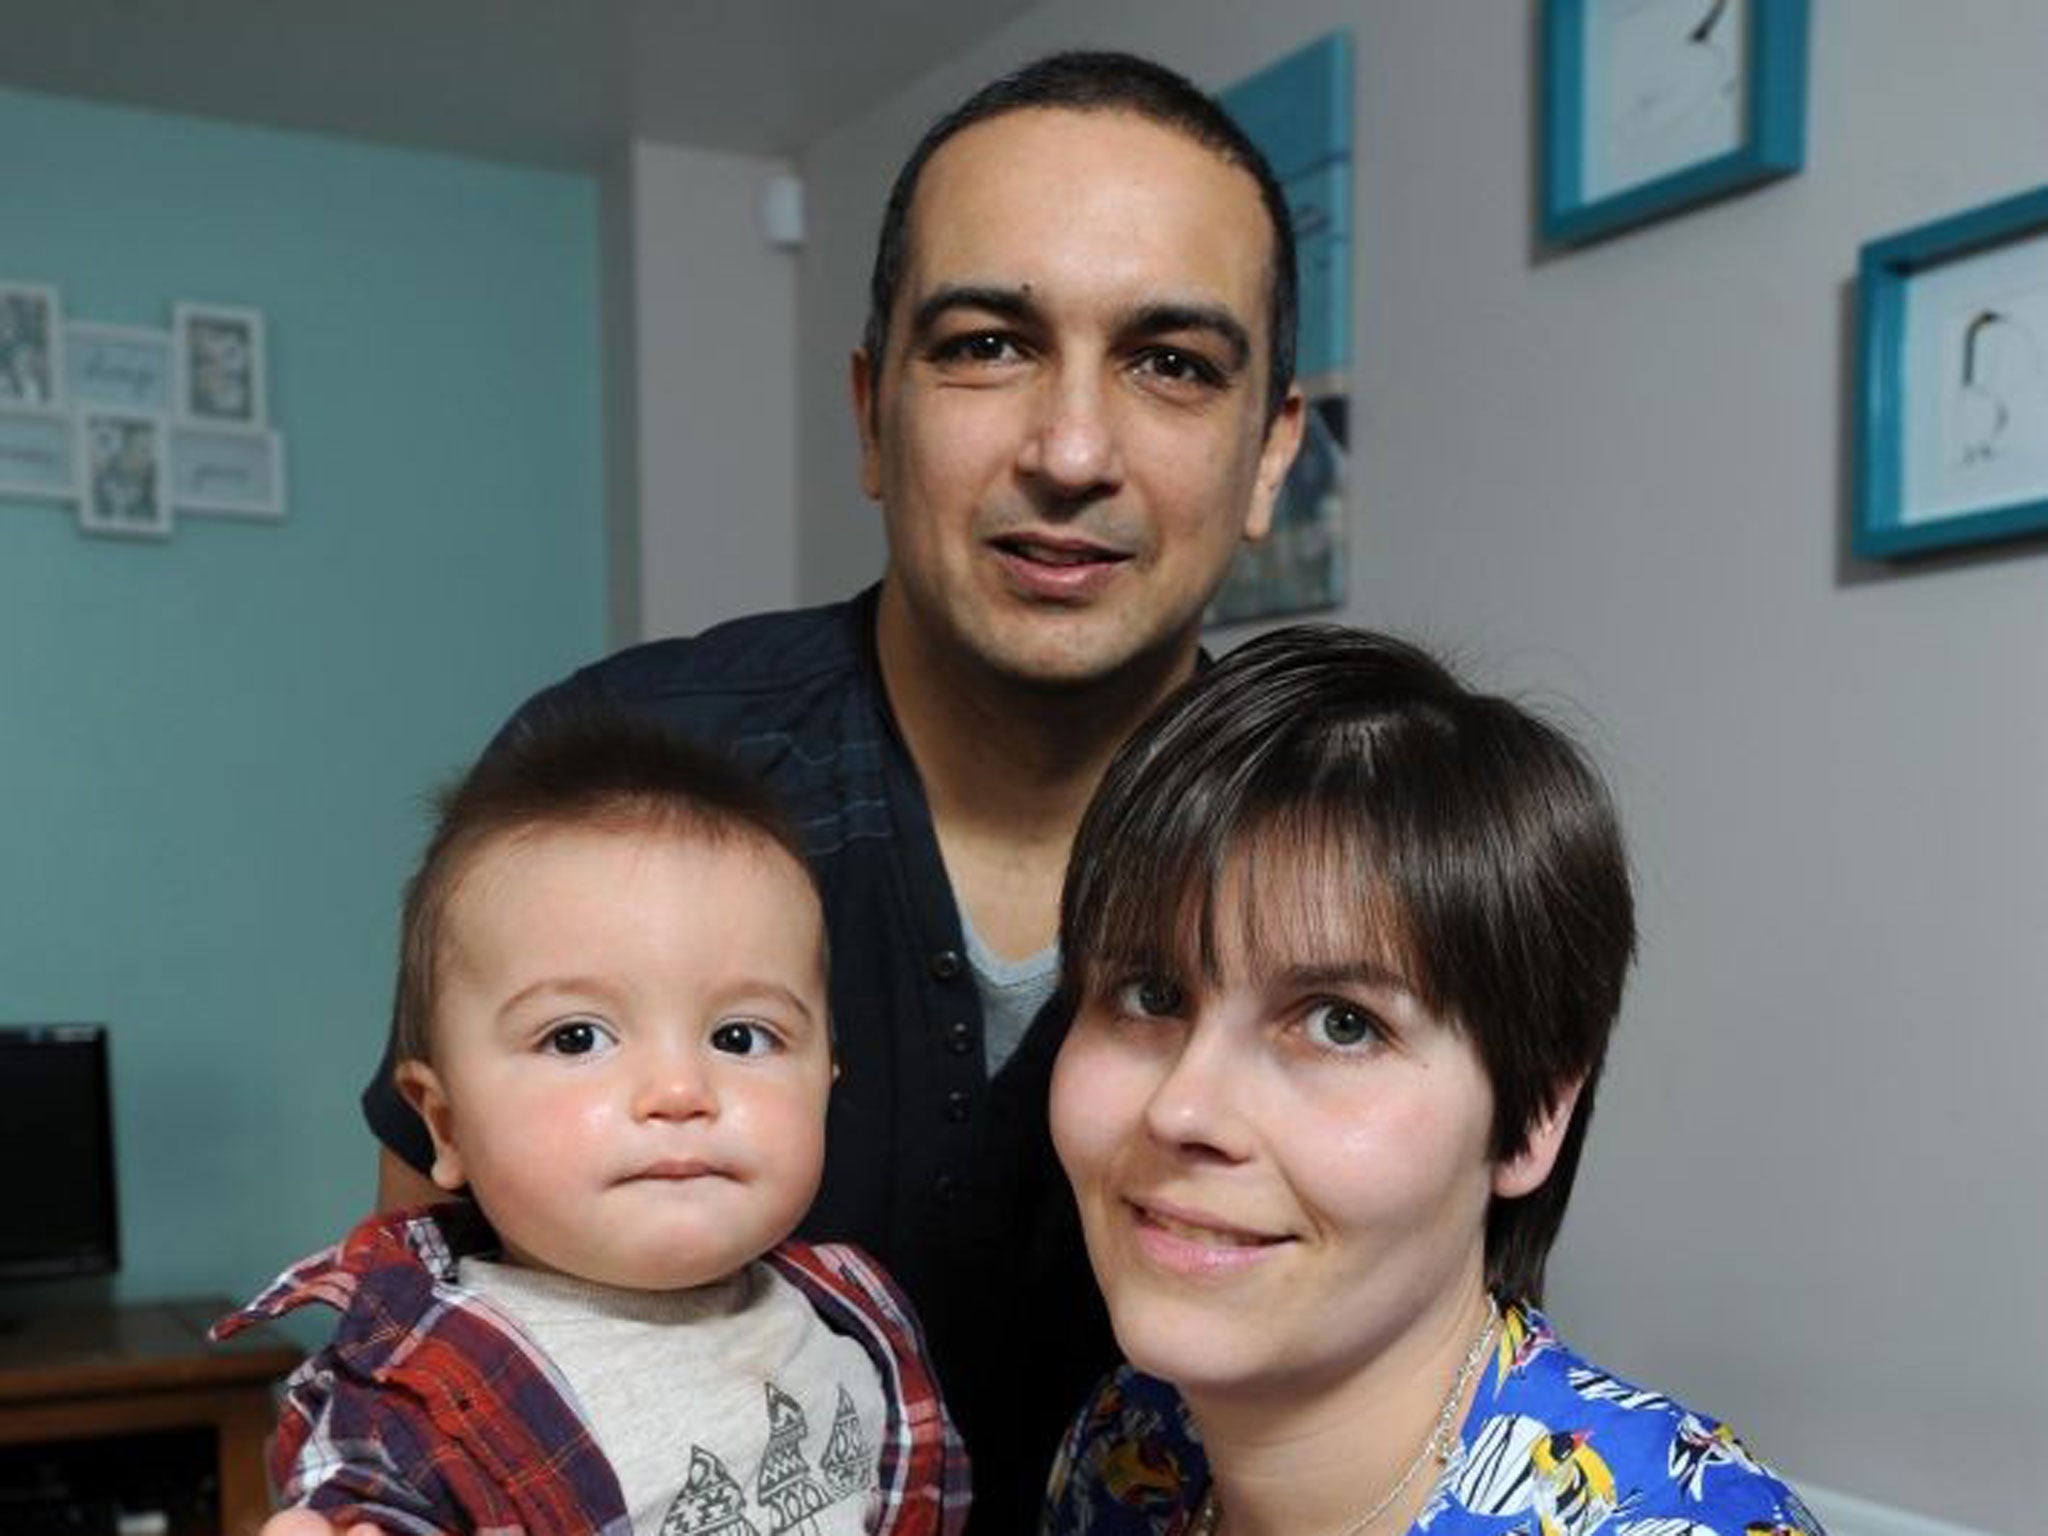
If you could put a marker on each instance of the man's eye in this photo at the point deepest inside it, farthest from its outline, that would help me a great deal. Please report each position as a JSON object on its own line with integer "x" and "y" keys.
{"x": 743, "y": 1038}
{"x": 577, "y": 1037}
{"x": 1343, "y": 1025}
{"x": 1151, "y": 997}
{"x": 1172, "y": 365}
{"x": 976, "y": 347}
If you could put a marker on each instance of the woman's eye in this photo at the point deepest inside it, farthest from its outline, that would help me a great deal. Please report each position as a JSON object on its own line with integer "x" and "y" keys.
{"x": 743, "y": 1038}
{"x": 1152, "y": 997}
{"x": 1343, "y": 1024}
{"x": 577, "y": 1037}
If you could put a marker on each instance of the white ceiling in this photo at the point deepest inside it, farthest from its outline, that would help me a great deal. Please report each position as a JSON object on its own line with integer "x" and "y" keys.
{"x": 546, "y": 82}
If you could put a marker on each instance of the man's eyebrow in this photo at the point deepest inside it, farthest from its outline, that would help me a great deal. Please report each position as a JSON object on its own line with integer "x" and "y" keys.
{"x": 1009, "y": 303}
{"x": 1163, "y": 319}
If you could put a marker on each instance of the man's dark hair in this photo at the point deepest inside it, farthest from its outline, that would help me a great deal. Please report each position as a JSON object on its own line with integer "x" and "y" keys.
{"x": 1099, "y": 82}
{"x": 1484, "y": 851}
{"x": 567, "y": 767}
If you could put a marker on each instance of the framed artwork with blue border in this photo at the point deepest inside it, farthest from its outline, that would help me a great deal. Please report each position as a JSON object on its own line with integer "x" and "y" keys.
{"x": 1298, "y": 112}
{"x": 1952, "y": 381}
{"x": 1651, "y": 107}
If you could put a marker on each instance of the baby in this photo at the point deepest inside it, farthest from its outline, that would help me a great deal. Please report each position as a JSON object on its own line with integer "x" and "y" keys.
{"x": 611, "y": 1014}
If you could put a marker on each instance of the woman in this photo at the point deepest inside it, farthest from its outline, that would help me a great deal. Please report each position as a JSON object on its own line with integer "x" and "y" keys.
{"x": 1346, "y": 942}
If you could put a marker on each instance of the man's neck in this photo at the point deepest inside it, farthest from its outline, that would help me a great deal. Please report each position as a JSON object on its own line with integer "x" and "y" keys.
{"x": 1008, "y": 767}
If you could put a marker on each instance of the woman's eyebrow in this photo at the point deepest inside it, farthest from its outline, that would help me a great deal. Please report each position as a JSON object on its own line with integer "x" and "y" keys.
{"x": 1361, "y": 972}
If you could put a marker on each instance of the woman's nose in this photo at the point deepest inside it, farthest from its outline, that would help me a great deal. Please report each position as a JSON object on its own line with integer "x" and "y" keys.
{"x": 1197, "y": 1105}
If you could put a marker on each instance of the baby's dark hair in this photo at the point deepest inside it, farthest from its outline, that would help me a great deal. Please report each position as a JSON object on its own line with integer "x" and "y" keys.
{"x": 568, "y": 766}
{"x": 1483, "y": 849}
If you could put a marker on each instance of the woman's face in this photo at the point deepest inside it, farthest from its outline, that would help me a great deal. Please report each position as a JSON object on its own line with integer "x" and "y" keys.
{"x": 1284, "y": 1170}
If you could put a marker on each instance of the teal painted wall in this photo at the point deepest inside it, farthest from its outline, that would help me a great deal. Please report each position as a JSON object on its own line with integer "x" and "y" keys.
{"x": 213, "y": 751}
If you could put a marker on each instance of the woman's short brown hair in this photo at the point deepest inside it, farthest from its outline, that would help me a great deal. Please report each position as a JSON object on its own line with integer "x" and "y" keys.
{"x": 1482, "y": 844}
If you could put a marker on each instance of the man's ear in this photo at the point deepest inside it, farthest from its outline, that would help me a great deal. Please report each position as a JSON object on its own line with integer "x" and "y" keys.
{"x": 863, "y": 375}
{"x": 1276, "y": 457}
{"x": 1524, "y": 1173}
{"x": 422, "y": 1088}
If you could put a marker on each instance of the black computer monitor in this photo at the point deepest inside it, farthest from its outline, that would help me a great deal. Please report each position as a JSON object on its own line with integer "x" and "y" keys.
{"x": 57, "y": 1209}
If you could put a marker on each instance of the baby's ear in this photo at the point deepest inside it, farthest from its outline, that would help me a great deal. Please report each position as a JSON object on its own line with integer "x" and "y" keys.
{"x": 421, "y": 1086}
{"x": 1524, "y": 1173}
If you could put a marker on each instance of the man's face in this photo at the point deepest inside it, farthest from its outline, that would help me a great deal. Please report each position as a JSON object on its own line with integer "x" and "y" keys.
{"x": 1068, "y": 434}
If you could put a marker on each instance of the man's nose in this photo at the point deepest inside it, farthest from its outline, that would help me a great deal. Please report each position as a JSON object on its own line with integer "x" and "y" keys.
{"x": 1072, "y": 446}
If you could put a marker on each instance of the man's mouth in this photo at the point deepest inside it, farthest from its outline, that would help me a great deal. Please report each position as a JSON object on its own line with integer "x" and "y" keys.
{"x": 1040, "y": 550}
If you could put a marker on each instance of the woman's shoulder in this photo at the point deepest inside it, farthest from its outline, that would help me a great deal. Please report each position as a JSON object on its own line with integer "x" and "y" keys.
{"x": 1557, "y": 1444}
{"x": 1131, "y": 1465}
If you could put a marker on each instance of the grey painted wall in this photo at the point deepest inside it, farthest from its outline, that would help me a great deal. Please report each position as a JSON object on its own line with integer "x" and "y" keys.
{"x": 1618, "y": 477}
{"x": 702, "y": 363}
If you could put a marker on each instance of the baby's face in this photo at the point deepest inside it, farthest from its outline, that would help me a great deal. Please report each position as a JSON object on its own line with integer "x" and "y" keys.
{"x": 631, "y": 1051}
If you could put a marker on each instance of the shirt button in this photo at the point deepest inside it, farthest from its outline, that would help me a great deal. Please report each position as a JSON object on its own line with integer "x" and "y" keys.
{"x": 947, "y": 964}
{"x": 960, "y": 1037}
{"x": 959, "y": 1105}
{"x": 948, "y": 1188}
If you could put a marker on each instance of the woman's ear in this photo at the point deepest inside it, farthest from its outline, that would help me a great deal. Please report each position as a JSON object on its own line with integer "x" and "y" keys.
{"x": 422, "y": 1088}
{"x": 1524, "y": 1173}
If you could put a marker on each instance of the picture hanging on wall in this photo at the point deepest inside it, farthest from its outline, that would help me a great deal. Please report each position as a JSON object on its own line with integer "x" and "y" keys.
{"x": 31, "y": 345}
{"x": 1651, "y": 107}
{"x": 124, "y": 481}
{"x": 38, "y": 454}
{"x": 136, "y": 426}
{"x": 1298, "y": 112}
{"x": 119, "y": 367}
{"x": 226, "y": 471}
{"x": 1952, "y": 376}
{"x": 220, "y": 364}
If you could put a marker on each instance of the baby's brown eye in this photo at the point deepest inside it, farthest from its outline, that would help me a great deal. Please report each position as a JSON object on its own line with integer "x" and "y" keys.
{"x": 742, "y": 1038}
{"x": 578, "y": 1037}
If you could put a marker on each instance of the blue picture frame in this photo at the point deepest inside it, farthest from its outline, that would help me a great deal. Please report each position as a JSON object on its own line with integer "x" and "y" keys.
{"x": 1952, "y": 382}
{"x": 1641, "y": 124}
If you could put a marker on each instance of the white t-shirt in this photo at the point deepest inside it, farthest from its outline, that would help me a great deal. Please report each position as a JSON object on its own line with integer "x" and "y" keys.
{"x": 728, "y": 1408}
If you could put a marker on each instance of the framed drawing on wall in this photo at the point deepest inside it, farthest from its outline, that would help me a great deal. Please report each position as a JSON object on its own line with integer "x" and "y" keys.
{"x": 1952, "y": 381}
{"x": 1655, "y": 106}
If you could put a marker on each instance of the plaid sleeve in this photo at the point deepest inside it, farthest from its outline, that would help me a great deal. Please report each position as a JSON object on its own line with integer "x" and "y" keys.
{"x": 332, "y": 1454}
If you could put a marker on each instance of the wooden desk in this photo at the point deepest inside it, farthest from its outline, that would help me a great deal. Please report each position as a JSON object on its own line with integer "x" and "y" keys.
{"x": 123, "y": 1370}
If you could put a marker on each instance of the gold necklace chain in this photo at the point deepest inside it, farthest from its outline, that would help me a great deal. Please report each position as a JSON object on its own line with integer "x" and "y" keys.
{"x": 1437, "y": 1446}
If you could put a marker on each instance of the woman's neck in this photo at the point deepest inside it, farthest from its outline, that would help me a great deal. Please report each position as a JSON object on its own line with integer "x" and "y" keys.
{"x": 1313, "y": 1463}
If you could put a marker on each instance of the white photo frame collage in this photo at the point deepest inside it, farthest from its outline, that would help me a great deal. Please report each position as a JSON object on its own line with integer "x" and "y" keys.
{"x": 132, "y": 426}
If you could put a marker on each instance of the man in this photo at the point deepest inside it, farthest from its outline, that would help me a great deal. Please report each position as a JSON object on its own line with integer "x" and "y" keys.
{"x": 1075, "y": 401}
